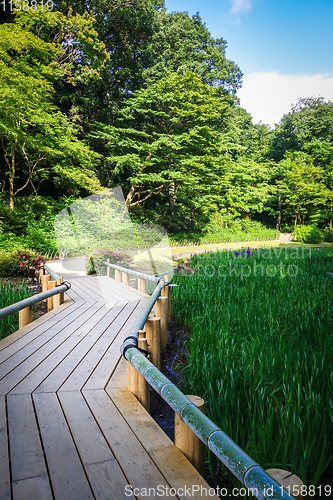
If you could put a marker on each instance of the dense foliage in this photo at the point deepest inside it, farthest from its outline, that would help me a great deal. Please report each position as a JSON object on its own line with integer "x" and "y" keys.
{"x": 112, "y": 93}
{"x": 261, "y": 352}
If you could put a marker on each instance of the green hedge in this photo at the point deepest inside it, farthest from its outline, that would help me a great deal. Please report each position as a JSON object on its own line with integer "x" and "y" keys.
{"x": 309, "y": 234}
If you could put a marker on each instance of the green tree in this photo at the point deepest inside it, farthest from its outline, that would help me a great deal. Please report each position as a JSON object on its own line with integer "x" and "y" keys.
{"x": 302, "y": 190}
{"x": 167, "y": 142}
{"x": 37, "y": 139}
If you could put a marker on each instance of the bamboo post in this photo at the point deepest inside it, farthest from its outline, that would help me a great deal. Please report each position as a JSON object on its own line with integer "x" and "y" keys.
{"x": 41, "y": 272}
{"x": 62, "y": 294}
{"x": 162, "y": 313}
{"x": 136, "y": 382}
{"x": 45, "y": 278}
{"x": 144, "y": 392}
{"x": 117, "y": 275}
{"x": 108, "y": 269}
{"x": 153, "y": 335}
{"x": 125, "y": 278}
{"x": 25, "y": 316}
{"x": 288, "y": 480}
{"x": 188, "y": 443}
{"x": 166, "y": 292}
{"x": 141, "y": 285}
{"x": 50, "y": 285}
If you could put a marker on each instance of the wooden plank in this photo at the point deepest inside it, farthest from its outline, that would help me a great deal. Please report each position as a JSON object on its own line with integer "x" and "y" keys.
{"x": 89, "y": 292}
{"x": 5, "y": 493}
{"x": 83, "y": 371}
{"x": 124, "y": 289}
{"x": 14, "y": 337}
{"x": 26, "y": 453}
{"x": 89, "y": 440}
{"x": 36, "y": 376}
{"x": 142, "y": 424}
{"x": 33, "y": 488}
{"x": 110, "y": 281}
{"x": 107, "y": 481}
{"x": 29, "y": 364}
{"x": 104, "y": 369}
{"x": 137, "y": 466}
{"x": 63, "y": 328}
{"x": 34, "y": 330}
{"x": 179, "y": 472}
{"x": 66, "y": 472}
{"x": 119, "y": 378}
{"x": 100, "y": 322}
{"x": 95, "y": 288}
{"x": 68, "y": 365}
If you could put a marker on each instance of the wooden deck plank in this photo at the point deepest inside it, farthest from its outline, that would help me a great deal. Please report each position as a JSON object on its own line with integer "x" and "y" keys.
{"x": 88, "y": 289}
{"x": 14, "y": 337}
{"x": 34, "y": 488}
{"x": 119, "y": 377}
{"x": 142, "y": 424}
{"x": 29, "y": 363}
{"x": 110, "y": 282}
{"x": 139, "y": 469}
{"x": 179, "y": 472}
{"x": 32, "y": 332}
{"x": 103, "y": 319}
{"x": 38, "y": 374}
{"x": 26, "y": 453}
{"x": 66, "y": 472}
{"x": 103, "y": 371}
{"x": 107, "y": 481}
{"x": 83, "y": 371}
{"x": 68, "y": 365}
{"x": 66, "y": 326}
{"x": 124, "y": 289}
{"x": 5, "y": 493}
{"x": 92, "y": 285}
{"x": 88, "y": 437}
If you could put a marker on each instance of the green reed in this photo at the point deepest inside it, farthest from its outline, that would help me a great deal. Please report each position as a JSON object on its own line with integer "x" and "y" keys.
{"x": 261, "y": 353}
{"x": 9, "y": 295}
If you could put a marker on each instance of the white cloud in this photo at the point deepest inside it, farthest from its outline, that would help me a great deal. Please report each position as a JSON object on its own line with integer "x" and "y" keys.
{"x": 268, "y": 96}
{"x": 240, "y": 6}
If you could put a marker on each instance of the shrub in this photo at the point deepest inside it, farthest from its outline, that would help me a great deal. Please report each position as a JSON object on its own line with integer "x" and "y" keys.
{"x": 95, "y": 260}
{"x": 18, "y": 263}
{"x": 308, "y": 234}
{"x": 328, "y": 236}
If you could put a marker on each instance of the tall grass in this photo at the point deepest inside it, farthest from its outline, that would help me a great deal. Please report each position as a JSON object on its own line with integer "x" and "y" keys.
{"x": 261, "y": 353}
{"x": 8, "y": 296}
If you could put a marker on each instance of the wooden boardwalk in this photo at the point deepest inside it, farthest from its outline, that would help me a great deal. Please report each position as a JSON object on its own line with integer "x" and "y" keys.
{"x": 69, "y": 427}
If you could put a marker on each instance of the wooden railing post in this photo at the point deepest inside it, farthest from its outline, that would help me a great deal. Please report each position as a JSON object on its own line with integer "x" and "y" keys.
{"x": 153, "y": 335}
{"x": 162, "y": 313}
{"x": 25, "y": 316}
{"x": 117, "y": 275}
{"x": 125, "y": 278}
{"x": 188, "y": 443}
{"x": 61, "y": 295}
{"x": 108, "y": 269}
{"x": 45, "y": 278}
{"x": 141, "y": 285}
{"x": 136, "y": 382}
{"x": 50, "y": 285}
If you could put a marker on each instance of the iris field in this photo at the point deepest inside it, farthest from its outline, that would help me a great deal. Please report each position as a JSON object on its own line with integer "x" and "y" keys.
{"x": 9, "y": 295}
{"x": 261, "y": 352}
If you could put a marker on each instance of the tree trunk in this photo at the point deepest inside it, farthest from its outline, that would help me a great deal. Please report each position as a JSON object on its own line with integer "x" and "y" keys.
{"x": 278, "y": 221}
{"x": 172, "y": 196}
{"x": 11, "y": 182}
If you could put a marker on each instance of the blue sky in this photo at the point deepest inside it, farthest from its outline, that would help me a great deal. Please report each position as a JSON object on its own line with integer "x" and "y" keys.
{"x": 284, "y": 48}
